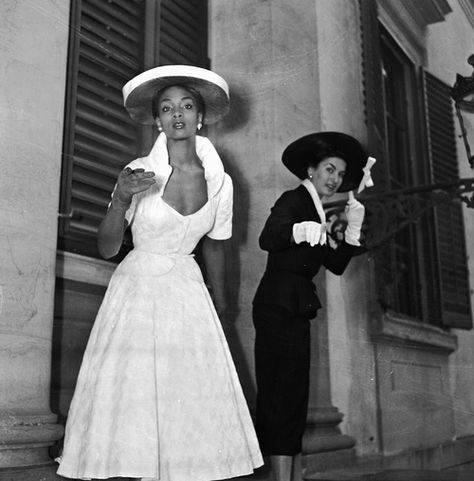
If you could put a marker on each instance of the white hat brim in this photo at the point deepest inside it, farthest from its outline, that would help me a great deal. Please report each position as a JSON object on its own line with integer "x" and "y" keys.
{"x": 139, "y": 91}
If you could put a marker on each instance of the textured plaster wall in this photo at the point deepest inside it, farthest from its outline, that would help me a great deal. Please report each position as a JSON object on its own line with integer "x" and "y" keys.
{"x": 267, "y": 51}
{"x": 293, "y": 68}
{"x": 449, "y": 44}
{"x": 33, "y": 45}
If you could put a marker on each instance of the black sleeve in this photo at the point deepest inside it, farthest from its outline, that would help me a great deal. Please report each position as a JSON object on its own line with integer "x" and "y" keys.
{"x": 278, "y": 229}
{"x": 338, "y": 259}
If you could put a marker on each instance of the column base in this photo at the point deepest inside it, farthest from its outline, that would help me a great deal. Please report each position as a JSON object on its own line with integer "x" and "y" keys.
{"x": 25, "y": 440}
{"x": 324, "y": 446}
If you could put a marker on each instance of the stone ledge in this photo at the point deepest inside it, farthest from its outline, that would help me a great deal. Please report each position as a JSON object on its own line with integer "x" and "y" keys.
{"x": 41, "y": 473}
{"x": 84, "y": 269}
{"x": 397, "y": 330}
{"x": 445, "y": 459}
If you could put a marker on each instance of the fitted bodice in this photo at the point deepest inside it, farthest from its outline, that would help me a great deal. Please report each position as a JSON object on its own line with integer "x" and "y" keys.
{"x": 160, "y": 229}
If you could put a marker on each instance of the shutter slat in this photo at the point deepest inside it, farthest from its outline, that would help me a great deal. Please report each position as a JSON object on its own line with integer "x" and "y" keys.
{"x": 174, "y": 25}
{"x": 120, "y": 21}
{"x": 110, "y": 156}
{"x": 108, "y": 49}
{"x": 97, "y": 87}
{"x": 92, "y": 60}
{"x": 91, "y": 211}
{"x": 180, "y": 48}
{"x": 106, "y": 63}
{"x": 108, "y": 81}
{"x": 191, "y": 7}
{"x": 108, "y": 36}
{"x": 170, "y": 57}
{"x": 97, "y": 119}
{"x": 132, "y": 7}
{"x": 173, "y": 9}
{"x": 92, "y": 179}
{"x": 83, "y": 226}
{"x": 104, "y": 138}
{"x": 88, "y": 194}
{"x": 94, "y": 166}
{"x": 102, "y": 105}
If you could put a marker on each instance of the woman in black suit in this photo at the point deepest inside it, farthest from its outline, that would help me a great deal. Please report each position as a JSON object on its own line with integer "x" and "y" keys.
{"x": 294, "y": 236}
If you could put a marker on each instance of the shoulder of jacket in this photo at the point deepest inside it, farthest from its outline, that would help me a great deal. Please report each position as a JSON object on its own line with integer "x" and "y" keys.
{"x": 295, "y": 195}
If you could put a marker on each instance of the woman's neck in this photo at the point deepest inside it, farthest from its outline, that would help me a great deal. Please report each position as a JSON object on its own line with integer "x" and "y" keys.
{"x": 182, "y": 153}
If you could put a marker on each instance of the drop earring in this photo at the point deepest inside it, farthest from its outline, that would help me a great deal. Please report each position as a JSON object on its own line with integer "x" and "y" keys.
{"x": 160, "y": 128}
{"x": 199, "y": 126}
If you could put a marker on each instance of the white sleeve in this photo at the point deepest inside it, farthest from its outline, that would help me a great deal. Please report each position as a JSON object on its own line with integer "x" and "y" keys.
{"x": 222, "y": 228}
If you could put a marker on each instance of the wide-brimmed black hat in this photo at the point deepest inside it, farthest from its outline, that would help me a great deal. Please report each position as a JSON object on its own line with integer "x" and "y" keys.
{"x": 139, "y": 91}
{"x": 297, "y": 156}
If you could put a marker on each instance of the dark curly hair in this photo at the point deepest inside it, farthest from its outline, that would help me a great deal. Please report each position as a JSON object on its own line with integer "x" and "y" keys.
{"x": 325, "y": 151}
{"x": 155, "y": 103}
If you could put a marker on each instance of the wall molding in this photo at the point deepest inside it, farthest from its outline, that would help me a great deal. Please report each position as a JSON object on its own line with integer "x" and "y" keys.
{"x": 394, "y": 329}
{"x": 407, "y": 21}
{"x": 84, "y": 269}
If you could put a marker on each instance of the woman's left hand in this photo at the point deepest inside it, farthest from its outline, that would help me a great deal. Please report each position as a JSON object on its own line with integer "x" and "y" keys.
{"x": 129, "y": 183}
{"x": 355, "y": 213}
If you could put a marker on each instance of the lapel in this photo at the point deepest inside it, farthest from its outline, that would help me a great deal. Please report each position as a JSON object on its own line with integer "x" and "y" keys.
{"x": 308, "y": 209}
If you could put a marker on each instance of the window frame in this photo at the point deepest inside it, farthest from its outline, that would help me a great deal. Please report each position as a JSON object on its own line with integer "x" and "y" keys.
{"x": 385, "y": 323}
{"x": 408, "y": 300}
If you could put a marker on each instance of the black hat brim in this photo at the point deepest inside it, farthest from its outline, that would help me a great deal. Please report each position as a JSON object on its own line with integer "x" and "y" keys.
{"x": 298, "y": 154}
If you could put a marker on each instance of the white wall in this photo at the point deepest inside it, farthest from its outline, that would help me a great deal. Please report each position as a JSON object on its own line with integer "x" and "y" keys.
{"x": 33, "y": 48}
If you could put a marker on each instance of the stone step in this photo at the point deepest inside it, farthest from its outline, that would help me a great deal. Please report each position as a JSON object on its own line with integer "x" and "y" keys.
{"x": 43, "y": 473}
{"x": 48, "y": 473}
{"x": 397, "y": 475}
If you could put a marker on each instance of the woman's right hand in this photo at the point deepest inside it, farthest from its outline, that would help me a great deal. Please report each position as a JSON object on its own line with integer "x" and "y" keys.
{"x": 307, "y": 231}
{"x": 130, "y": 182}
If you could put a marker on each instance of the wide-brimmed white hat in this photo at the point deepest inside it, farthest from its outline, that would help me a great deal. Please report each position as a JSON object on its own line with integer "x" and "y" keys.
{"x": 139, "y": 91}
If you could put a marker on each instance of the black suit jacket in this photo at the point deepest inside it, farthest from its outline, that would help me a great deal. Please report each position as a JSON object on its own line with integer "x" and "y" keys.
{"x": 287, "y": 281}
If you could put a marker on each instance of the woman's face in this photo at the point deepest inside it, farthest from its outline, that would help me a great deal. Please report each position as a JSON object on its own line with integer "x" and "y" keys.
{"x": 327, "y": 176}
{"x": 178, "y": 114}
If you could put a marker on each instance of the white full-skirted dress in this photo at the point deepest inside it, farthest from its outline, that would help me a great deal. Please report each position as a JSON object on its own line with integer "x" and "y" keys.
{"x": 158, "y": 395}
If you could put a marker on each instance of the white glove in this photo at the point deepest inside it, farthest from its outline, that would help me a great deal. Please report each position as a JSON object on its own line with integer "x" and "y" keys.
{"x": 308, "y": 231}
{"x": 355, "y": 213}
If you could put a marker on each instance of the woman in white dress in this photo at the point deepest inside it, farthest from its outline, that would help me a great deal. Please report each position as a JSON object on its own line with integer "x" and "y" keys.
{"x": 158, "y": 396}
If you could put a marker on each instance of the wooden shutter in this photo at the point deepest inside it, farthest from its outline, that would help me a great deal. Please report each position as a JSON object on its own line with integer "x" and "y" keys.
{"x": 106, "y": 49}
{"x": 183, "y": 32}
{"x": 449, "y": 224}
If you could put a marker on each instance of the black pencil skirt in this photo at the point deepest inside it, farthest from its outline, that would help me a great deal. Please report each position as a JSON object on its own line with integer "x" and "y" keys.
{"x": 282, "y": 360}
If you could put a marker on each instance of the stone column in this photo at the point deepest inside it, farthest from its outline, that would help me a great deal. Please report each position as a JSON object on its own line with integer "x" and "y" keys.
{"x": 33, "y": 52}
{"x": 324, "y": 446}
